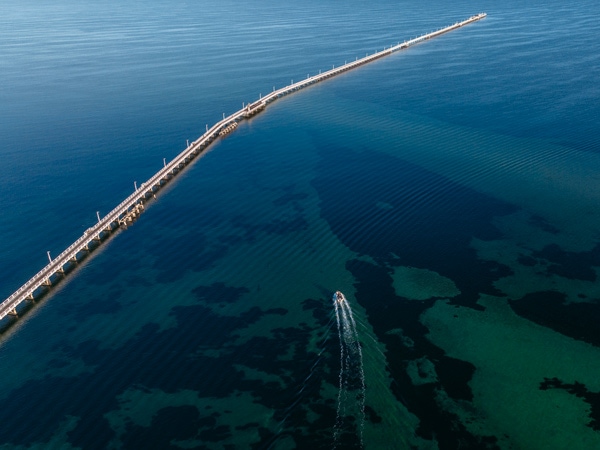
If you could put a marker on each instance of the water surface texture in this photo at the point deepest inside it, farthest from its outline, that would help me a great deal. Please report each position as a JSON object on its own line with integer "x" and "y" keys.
{"x": 450, "y": 191}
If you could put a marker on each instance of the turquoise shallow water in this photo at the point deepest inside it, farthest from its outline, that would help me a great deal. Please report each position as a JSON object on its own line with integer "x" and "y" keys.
{"x": 450, "y": 191}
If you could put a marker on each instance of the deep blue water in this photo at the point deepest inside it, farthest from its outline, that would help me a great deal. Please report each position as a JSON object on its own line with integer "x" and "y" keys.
{"x": 450, "y": 191}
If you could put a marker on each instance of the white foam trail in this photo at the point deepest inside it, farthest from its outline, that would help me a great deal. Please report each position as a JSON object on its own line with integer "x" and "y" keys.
{"x": 338, "y": 418}
{"x": 358, "y": 348}
{"x": 351, "y": 395}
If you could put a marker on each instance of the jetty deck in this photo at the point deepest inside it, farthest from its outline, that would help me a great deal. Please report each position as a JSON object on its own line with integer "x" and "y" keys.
{"x": 130, "y": 208}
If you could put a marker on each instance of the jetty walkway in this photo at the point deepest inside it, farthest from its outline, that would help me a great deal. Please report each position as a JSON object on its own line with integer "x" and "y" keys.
{"x": 130, "y": 208}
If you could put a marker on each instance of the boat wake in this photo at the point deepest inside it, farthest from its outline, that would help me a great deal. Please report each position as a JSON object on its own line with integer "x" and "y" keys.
{"x": 350, "y": 417}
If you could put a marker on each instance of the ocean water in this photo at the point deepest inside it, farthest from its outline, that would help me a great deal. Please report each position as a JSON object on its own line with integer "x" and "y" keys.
{"x": 450, "y": 191}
